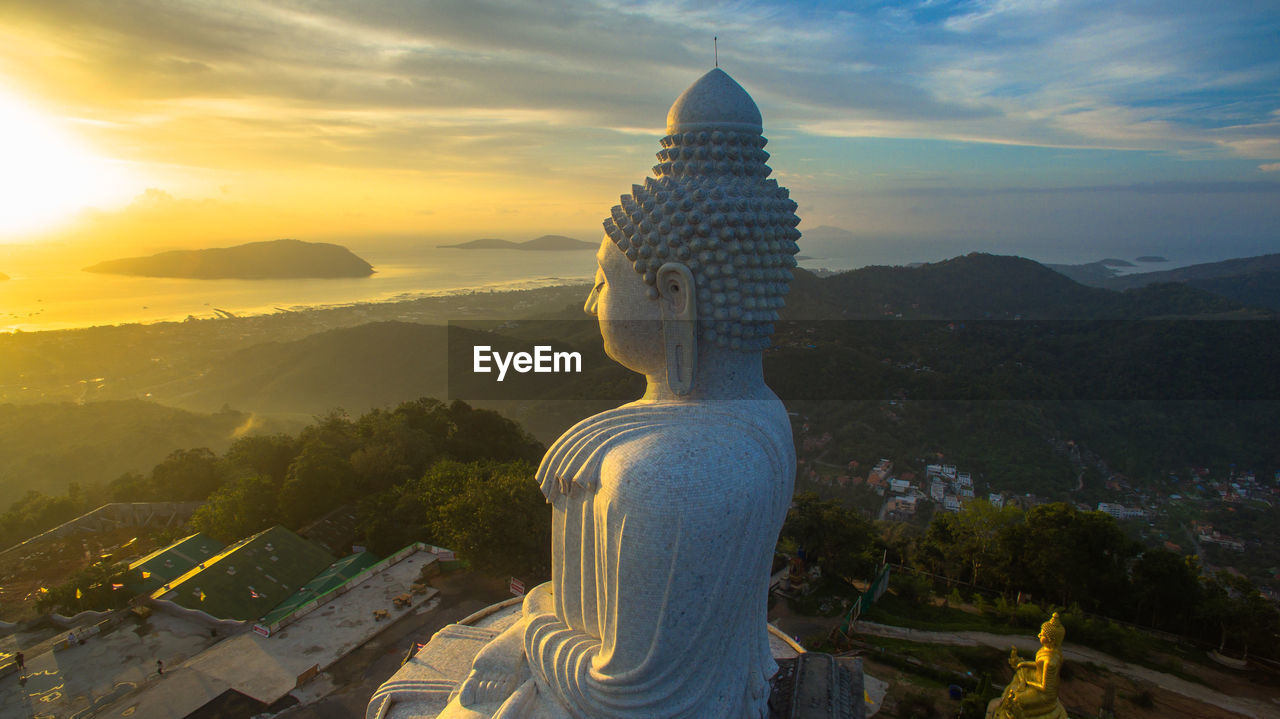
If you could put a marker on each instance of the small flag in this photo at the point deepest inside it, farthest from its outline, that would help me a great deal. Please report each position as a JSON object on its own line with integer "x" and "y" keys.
{"x": 202, "y": 596}
{"x": 146, "y": 574}
{"x": 44, "y": 590}
{"x": 115, "y": 586}
{"x": 79, "y": 594}
{"x": 254, "y": 594}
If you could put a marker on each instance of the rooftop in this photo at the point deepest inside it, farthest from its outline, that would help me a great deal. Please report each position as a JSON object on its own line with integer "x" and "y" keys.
{"x": 249, "y": 578}
{"x": 168, "y": 563}
{"x": 338, "y": 573}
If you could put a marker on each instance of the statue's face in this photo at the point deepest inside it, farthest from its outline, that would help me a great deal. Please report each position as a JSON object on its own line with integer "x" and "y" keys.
{"x": 630, "y": 322}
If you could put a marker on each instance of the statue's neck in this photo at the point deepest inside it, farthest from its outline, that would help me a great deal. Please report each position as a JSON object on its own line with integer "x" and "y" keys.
{"x": 721, "y": 374}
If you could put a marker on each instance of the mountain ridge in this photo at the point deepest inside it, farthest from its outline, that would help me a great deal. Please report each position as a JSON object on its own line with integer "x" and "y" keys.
{"x": 545, "y": 243}
{"x": 268, "y": 259}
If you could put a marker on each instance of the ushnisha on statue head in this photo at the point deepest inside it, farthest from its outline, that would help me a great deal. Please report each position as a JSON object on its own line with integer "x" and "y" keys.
{"x": 709, "y": 221}
{"x": 1053, "y": 632}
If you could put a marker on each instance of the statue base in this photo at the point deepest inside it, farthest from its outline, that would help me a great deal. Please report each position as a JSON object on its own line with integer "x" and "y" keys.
{"x": 807, "y": 685}
{"x": 994, "y": 712}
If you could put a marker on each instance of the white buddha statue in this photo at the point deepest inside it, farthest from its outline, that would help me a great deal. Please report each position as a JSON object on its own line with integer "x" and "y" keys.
{"x": 666, "y": 510}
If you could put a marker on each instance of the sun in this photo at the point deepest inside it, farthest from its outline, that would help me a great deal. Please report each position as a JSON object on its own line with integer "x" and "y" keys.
{"x": 47, "y": 174}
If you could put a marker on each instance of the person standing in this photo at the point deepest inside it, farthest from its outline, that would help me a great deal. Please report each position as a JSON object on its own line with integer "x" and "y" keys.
{"x": 22, "y": 662}
{"x": 159, "y": 667}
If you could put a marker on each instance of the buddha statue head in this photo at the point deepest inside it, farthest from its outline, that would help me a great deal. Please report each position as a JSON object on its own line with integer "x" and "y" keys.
{"x": 1052, "y": 632}
{"x": 709, "y": 240}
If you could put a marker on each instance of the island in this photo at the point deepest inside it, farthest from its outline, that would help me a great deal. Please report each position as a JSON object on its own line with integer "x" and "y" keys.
{"x": 268, "y": 260}
{"x": 544, "y": 243}
{"x": 1151, "y": 258}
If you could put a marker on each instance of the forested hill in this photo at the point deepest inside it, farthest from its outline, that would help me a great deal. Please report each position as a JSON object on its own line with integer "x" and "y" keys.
{"x": 978, "y": 286}
{"x": 1248, "y": 280}
{"x": 273, "y": 259}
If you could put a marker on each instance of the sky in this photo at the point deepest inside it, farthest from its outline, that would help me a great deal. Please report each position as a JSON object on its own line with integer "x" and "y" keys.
{"x": 1054, "y": 128}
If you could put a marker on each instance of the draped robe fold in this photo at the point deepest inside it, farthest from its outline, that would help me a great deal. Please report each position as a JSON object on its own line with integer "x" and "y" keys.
{"x": 665, "y": 516}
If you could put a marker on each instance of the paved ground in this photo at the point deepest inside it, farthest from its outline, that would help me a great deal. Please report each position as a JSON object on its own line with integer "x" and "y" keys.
{"x": 355, "y": 677}
{"x": 70, "y": 682}
{"x": 1258, "y": 707}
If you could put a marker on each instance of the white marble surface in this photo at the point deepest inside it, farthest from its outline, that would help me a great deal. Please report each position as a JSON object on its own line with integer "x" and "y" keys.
{"x": 665, "y": 511}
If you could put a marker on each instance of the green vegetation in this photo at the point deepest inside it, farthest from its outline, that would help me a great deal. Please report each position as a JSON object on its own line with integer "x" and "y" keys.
{"x": 1080, "y": 562}
{"x": 446, "y": 474}
{"x": 47, "y": 447}
{"x": 99, "y": 587}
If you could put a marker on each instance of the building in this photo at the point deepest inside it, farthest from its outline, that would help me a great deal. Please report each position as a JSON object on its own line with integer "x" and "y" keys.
{"x": 168, "y": 563}
{"x": 937, "y": 490}
{"x": 903, "y": 505}
{"x": 1119, "y": 511}
{"x": 248, "y": 579}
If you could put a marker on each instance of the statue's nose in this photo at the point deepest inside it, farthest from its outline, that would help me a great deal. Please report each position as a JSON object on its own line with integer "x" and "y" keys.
{"x": 593, "y": 300}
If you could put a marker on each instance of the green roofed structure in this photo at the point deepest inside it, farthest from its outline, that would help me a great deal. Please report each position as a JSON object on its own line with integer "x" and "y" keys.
{"x": 338, "y": 574}
{"x": 169, "y": 563}
{"x": 249, "y": 578}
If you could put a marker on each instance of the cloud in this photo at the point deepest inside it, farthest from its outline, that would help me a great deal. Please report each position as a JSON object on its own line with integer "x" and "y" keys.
{"x": 1069, "y": 74}
{"x": 1140, "y": 188}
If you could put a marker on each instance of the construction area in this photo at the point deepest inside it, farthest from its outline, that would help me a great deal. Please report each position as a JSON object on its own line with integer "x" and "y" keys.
{"x": 211, "y": 628}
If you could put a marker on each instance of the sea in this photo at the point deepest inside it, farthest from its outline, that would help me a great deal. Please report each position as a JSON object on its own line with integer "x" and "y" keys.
{"x": 48, "y": 291}
{"x": 45, "y": 293}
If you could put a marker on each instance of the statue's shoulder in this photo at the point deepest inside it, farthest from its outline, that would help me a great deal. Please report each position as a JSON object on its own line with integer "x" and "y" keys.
{"x": 654, "y": 445}
{"x": 705, "y": 448}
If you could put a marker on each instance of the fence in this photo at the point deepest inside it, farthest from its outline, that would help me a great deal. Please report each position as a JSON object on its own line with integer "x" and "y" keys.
{"x": 874, "y": 591}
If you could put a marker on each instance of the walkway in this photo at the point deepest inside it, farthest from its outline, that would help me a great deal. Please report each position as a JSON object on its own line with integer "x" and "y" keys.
{"x": 1028, "y": 645}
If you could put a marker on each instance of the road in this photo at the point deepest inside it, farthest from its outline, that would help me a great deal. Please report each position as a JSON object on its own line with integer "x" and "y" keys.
{"x": 1247, "y": 706}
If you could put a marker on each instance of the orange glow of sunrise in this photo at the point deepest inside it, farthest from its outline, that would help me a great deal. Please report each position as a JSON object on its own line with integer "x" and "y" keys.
{"x": 47, "y": 175}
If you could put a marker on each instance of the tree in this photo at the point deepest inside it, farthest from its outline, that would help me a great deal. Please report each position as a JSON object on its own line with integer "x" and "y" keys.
{"x": 836, "y": 538}
{"x": 1064, "y": 555}
{"x": 491, "y": 513}
{"x": 319, "y": 479}
{"x": 238, "y": 509}
{"x": 263, "y": 455}
{"x": 1165, "y": 589}
{"x": 187, "y": 474}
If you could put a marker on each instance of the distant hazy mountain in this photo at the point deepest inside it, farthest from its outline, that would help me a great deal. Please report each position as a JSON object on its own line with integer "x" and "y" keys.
{"x": 1150, "y": 258}
{"x": 353, "y": 368}
{"x": 46, "y": 446}
{"x": 1207, "y": 271}
{"x": 1247, "y": 280}
{"x": 1260, "y": 289}
{"x": 272, "y": 259}
{"x": 985, "y": 286}
{"x": 3, "y": 277}
{"x": 546, "y": 242}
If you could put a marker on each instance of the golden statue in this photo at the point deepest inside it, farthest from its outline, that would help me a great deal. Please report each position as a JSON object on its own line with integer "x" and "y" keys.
{"x": 1033, "y": 693}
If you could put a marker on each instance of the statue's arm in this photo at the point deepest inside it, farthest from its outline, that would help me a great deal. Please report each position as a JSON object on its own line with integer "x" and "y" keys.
{"x": 1039, "y": 678}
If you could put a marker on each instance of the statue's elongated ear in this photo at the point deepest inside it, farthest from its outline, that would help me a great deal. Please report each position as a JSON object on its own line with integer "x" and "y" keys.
{"x": 677, "y": 296}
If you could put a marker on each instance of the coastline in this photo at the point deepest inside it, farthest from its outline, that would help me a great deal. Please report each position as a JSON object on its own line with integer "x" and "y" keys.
{"x": 232, "y": 310}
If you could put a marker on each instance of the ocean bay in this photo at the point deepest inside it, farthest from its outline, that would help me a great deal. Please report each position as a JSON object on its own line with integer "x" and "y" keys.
{"x": 44, "y": 293}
